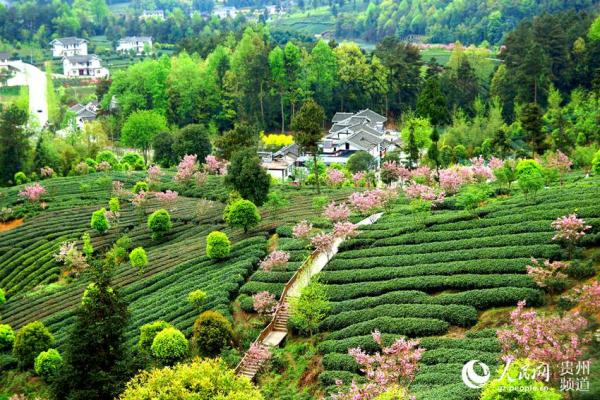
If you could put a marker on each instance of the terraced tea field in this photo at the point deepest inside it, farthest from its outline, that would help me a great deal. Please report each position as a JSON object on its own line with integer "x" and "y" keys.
{"x": 432, "y": 278}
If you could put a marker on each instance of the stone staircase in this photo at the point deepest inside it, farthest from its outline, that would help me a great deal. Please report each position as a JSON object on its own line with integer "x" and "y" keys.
{"x": 281, "y": 319}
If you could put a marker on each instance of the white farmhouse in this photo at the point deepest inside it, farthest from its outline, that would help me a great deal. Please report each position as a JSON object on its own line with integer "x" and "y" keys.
{"x": 225, "y": 12}
{"x": 86, "y": 66}
{"x": 139, "y": 44}
{"x": 158, "y": 14}
{"x": 83, "y": 113}
{"x": 69, "y": 46}
{"x": 280, "y": 165}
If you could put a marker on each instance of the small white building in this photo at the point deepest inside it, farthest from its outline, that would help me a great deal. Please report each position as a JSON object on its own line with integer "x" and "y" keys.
{"x": 280, "y": 164}
{"x": 69, "y": 46}
{"x": 86, "y": 66}
{"x": 84, "y": 113}
{"x": 225, "y": 12}
{"x": 139, "y": 44}
{"x": 4, "y": 59}
{"x": 158, "y": 14}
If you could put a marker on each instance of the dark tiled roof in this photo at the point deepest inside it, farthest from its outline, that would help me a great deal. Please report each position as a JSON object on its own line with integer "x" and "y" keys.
{"x": 371, "y": 115}
{"x": 340, "y": 116}
{"x": 69, "y": 41}
{"x": 82, "y": 58}
{"x": 364, "y": 140}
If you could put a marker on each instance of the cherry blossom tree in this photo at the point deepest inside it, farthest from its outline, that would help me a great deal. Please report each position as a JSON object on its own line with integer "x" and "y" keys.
{"x": 258, "y": 354}
{"x": 421, "y": 174}
{"x": 264, "y": 303}
{"x": 104, "y": 166}
{"x": 154, "y": 174}
{"x": 366, "y": 202}
{"x": 481, "y": 172}
{"x": 547, "y": 274}
{"x": 167, "y": 197}
{"x": 46, "y": 172}
{"x": 275, "y": 259}
{"x": 33, "y": 193}
{"x": 561, "y": 162}
{"x": 201, "y": 177}
{"x": 344, "y": 230}
{"x": 495, "y": 163}
{"x": 588, "y": 298}
{"x": 322, "y": 242}
{"x": 302, "y": 229}
{"x": 423, "y": 192}
{"x": 569, "y": 229}
{"x": 213, "y": 165}
{"x": 117, "y": 188}
{"x": 335, "y": 177}
{"x": 394, "y": 365}
{"x": 71, "y": 257}
{"x": 358, "y": 178}
{"x": 335, "y": 213}
{"x": 546, "y": 339}
{"x": 186, "y": 168}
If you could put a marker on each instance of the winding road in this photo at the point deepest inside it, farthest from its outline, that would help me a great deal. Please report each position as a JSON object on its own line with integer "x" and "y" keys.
{"x": 35, "y": 78}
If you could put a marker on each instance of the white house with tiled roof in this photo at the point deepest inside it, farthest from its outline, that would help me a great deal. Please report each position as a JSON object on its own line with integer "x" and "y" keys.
{"x": 84, "y": 66}
{"x": 352, "y": 132}
{"x": 69, "y": 46}
{"x": 139, "y": 44}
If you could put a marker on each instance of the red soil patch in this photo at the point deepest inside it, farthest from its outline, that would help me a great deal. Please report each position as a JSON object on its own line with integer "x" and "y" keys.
{"x": 7, "y": 226}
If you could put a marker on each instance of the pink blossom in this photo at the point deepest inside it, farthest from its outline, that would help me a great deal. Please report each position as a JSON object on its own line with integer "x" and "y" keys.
{"x": 336, "y": 213}
{"x": 588, "y": 298}
{"x": 560, "y": 161}
{"x": 335, "y": 177}
{"x": 71, "y": 257}
{"x": 322, "y": 242}
{"x": 264, "y": 303}
{"x": 139, "y": 199}
{"x": 103, "y": 166}
{"x": 422, "y": 192}
{"x": 358, "y": 177}
{"x": 451, "y": 180}
{"x": 541, "y": 273}
{"x": 569, "y": 228}
{"x": 397, "y": 363}
{"x": 396, "y": 171}
{"x": 168, "y": 197}
{"x": 186, "y": 168}
{"x": 495, "y": 163}
{"x": 344, "y": 230}
{"x": 201, "y": 177}
{"x": 367, "y": 202}
{"x": 154, "y": 174}
{"x": 547, "y": 339}
{"x": 302, "y": 230}
{"x": 213, "y": 165}
{"x": 46, "y": 172}
{"x": 422, "y": 173}
{"x": 33, "y": 193}
{"x": 481, "y": 173}
{"x": 82, "y": 168}
{"x": 275, "y": 259}
{"x": 258, "y": 354}
{"x": 117, "y": 187}
{"x": 112, "y": 216}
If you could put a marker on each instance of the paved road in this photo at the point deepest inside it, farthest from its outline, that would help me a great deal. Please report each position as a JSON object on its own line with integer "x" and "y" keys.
{"x": 36, "y": 80}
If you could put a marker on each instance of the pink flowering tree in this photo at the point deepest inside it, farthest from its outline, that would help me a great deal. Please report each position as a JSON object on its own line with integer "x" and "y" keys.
{"x": 186, "y": 168}
{"x": 322, "y": 242}
{"x": 104, "y": 166}
{"x": 46, "y": 172}
{"x": 588, "y": 299}
{"x": 168, "y": 198}
{"x": 560, "y": 162}
{"x": 82, "y": 168}
{"x": 569, "y": 229}
{"x": 154, "y": 174}
{"x": 214, "y": 166}
{"x": 335, "y": 177}
{"x": 335, "y": 213}
{"x": 33, "y": 193}
{"x": 421, "y": 174}
{"x": 74, "y": 261}
{"x": 416, "y": 191}
{"x": 548, "y": 275}
{"x": 451, "y": 180}
{"x": 359, "y": 178}
{"x": 546, "y": 339}
{"x": 117, "y": 188}
{"x": 302, "y": 230}
{"x": 393, "y": 366}
{"x": 258, "y": 354}
{"x": 366, "y": 202}
{"x": 481, "y": 172}
{"x": 275, "y": 260}
{"x": 264, "y": 303}
{"x": 344, "y": 230}
{"x": 495, "y": 163}
{"x": 391, "y": 171}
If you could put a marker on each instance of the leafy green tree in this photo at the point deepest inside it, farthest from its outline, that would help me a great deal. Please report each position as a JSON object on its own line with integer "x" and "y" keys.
{"x": 138, "y": 259}
{"x": 14, "y": 142}
{"x": 531, "y": 121}
{"x": 278, "y": 76}
{"x": 30, "y": 340}
{"x": 183, "y": 85}
{"x": 594, "y": 31}
{"x": 308, "y": 132}
{"x": 48, "y": 364}
{"x": 169, "y": 346}
{"x": 242, "y": 136}
{"x": 7, "y": 337}
{"x": 211, "y": 333}
{"x": 433, "y": 152}
{"x": 412, "y": 148}
{"x": 529, "y": 176}
{"x": 310, "y": 308}
{"x": 148, "y": 332}
{"x": 246, "y": 175}
{"x": 556, "y": 123}
{"x": 164, "y": 153}
{"x": 321, "y": 71}
{"x": 218, "y": 245}
{"x": 140, "y": 186}
{"x": 99, "y": 221}
{"x": 361, "y": 161}
{"x": 352, "y": 75}
{"x": 159, "y": 222}
{"x": 197, "y": 298}
{"x": 205, "y": 379}
{"x": 192, "y": 139}
{"x": 432, "y": 104}
{"x": 243, "y": 214}
{"x": 141, "y": 127}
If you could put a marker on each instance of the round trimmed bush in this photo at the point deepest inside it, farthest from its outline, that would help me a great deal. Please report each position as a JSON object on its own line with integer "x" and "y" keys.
{"x": 47, "y": 364}
{"x": 108, "y": 156}
{"x": 159, "y": 222}
{"x": 138, "y": 258}
{"x": 169, "y": 346}
{"x": 21, "y": 178}
{"x": 134, "y": 160}
{"x": 197, "y": 298}
{"x": 212, "y": 332}
{"x": 7, "y": 337}
{"x": 2, "y": 297}
{"x": 149, "y": 331}
{"x": 99, "y": 221}
{"x": 139, "y": 186}
{"x": 218, "y": 245}
{"x": 114, "y": 205}
{"x": 30, "y": 341}
{"x": 242, "y": 214}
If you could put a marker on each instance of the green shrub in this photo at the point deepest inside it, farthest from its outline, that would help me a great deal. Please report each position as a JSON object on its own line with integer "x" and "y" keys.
{"x": 148, "y": 332}
{"x": 596, "y": 163}
{"x": 21, "y": 178}
{"x": 197, "y": 298}
{"x": 135, "y": 161}
{"x": 412, "y": 327}
{"x": 139, "y": 186}
{"x": 218, "y": 245}
{"x": 48, "y": 364}
{"x": 159, "y": 222}
{"x": 169, "y": 346}
{"x": 529, "y": 176}
{"x": 138, "y": 259}
{"x": 284, "y": 231}
{"x": 99, "y": 221}
{"x": 246, "y": 303}
{"x": 581, "y": 269}
{"x": 108, "y": 156}
{"x": 30, "y": 340}
{"x": 212, "y": 332}
{"x": 114, "y": 205}
{"x": 472, "y": 196}
{"x": 2, "y": 297}
{"x": 242, "y": 214}
{"x": 7, "y": 337}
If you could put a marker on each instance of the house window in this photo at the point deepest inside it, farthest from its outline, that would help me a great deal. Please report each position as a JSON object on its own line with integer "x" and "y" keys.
{"x": 347, "y": 146}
